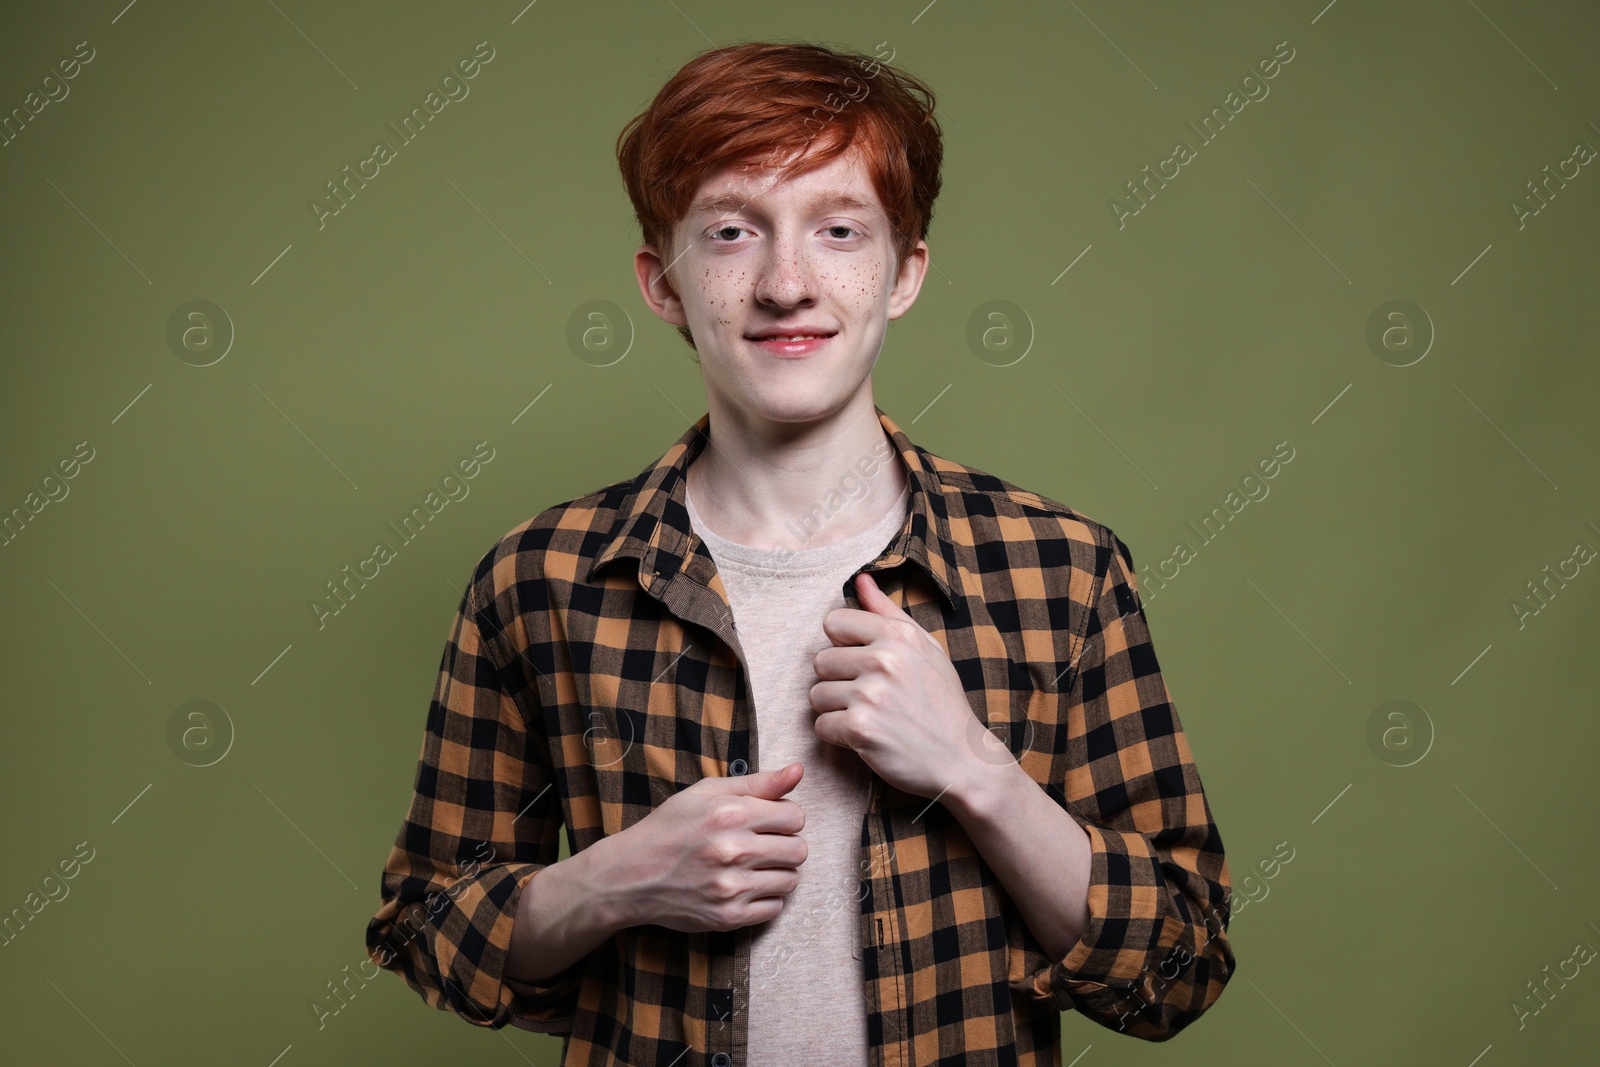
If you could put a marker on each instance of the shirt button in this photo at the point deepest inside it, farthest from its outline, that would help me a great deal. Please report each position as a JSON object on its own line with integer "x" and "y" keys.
{"x": 738, "y": 767}
{"x": 721, "y": 1059}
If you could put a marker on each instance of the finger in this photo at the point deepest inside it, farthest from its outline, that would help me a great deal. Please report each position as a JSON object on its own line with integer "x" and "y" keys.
{"x": 774, "y": 816}
{"x": 829, "y": 727}
{"x": 852, "y": 626}
{"x": 843, "y": 662}
{"x": 768, "y": 882}
{"x": 831, "y": 696}
{"x": 778, "y": 852}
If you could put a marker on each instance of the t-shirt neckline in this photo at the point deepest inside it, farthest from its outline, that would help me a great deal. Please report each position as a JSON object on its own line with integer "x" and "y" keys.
{"x": 798, "y": 561}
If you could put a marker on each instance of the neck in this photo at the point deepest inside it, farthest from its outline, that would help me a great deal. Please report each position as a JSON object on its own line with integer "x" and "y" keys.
{"x": 796, "y": 485}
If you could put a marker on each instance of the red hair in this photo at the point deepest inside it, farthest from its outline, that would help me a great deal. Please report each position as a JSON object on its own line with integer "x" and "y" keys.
{"x": 758, "y": 101}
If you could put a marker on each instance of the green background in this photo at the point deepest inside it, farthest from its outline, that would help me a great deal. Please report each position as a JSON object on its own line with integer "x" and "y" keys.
{"x": 1178, "y": 350}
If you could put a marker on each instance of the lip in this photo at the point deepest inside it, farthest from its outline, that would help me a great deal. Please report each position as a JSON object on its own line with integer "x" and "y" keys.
{"x": 790, "y": 349}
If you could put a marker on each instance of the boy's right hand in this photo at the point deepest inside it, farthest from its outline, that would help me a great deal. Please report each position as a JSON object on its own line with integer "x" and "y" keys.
{"x": 721, "y": 854}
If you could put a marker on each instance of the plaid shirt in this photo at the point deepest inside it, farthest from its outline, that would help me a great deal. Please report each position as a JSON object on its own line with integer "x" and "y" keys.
{"x": 593, "y": 670}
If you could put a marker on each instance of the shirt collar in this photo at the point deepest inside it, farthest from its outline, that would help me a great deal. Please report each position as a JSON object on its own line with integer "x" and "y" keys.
{"x": 652, "y": 523}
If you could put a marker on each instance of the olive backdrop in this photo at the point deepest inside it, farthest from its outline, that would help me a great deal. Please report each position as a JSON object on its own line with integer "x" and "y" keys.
{"x": 1379, "y": 262}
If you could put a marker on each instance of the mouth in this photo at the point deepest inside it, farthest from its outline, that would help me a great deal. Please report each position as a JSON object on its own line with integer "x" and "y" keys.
{"x": 791, "y": 344}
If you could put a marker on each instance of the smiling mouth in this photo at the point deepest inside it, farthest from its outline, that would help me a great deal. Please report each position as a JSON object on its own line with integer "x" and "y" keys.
{"x": 791, "y": 337}
{"x": 792, "y": 345}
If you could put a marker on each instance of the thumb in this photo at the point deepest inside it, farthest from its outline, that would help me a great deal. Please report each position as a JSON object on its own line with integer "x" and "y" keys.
{"x": 770, "y": 785}
{"x": 875, "y": 600}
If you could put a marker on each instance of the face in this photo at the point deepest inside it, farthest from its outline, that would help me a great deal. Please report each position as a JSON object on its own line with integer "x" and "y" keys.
{"x": 757, "y": 259}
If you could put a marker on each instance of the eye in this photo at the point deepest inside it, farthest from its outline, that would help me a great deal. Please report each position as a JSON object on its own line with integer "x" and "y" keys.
{"x": 730, "y": 227}
{"x": 842, "y": 226}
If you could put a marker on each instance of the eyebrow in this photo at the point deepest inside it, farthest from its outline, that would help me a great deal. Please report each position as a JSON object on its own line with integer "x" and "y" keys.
{"x": 729, "y": 203}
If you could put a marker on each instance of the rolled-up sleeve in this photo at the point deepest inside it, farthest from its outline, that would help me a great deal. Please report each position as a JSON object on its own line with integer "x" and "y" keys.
{"x": 484, "y": 819}
{"x": 1155, "y": 954}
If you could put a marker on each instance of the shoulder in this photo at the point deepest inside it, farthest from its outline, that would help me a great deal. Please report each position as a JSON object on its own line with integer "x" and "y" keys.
{"x": 985, "y": 510}
{"x": 1051, "y": 566}
{"x": 557, "y": 543}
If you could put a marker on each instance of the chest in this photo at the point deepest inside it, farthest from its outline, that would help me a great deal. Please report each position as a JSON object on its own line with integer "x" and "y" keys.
{"x": 653, "y": 686}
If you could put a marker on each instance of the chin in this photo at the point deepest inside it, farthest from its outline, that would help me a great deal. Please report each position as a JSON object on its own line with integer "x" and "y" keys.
{"x": 802, "y": 402}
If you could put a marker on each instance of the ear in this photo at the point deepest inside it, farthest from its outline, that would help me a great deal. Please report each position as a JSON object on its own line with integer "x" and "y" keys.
{"x": 656, "y": 287}
{"x": 908, "y": 283}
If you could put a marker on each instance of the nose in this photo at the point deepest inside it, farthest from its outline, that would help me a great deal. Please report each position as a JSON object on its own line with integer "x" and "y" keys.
{"x": 788, "y": 277}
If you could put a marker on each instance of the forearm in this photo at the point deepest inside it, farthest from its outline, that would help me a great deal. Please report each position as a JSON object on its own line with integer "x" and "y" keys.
{"x": 1038, "y": 851}
{"x": 564, "y": 913}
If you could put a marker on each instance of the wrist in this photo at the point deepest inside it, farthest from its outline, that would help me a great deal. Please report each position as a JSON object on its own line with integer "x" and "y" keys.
{"x": 611, "y": 888}
{"x": 985, "y": 791}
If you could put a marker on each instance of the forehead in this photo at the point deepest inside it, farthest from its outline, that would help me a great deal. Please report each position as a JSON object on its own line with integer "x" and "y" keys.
{"x": 842, "y": 182}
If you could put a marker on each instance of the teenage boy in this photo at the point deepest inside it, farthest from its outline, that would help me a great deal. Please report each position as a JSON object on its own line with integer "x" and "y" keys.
{"x": 863, "y": 755}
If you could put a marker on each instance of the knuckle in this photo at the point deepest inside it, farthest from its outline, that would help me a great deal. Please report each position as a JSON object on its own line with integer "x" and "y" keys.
{"x": 859, "y": 732}
{"x": 726, "y": 814}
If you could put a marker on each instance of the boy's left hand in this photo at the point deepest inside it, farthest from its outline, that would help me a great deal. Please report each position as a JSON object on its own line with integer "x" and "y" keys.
{"x": 888, "y": 691}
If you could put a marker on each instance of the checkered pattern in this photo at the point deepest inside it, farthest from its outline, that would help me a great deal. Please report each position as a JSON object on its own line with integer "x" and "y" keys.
{"x": 593, "y": 670}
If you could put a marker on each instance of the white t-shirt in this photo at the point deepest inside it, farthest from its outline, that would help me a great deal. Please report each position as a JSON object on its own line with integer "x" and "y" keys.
{"x": 807, "y": 995}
